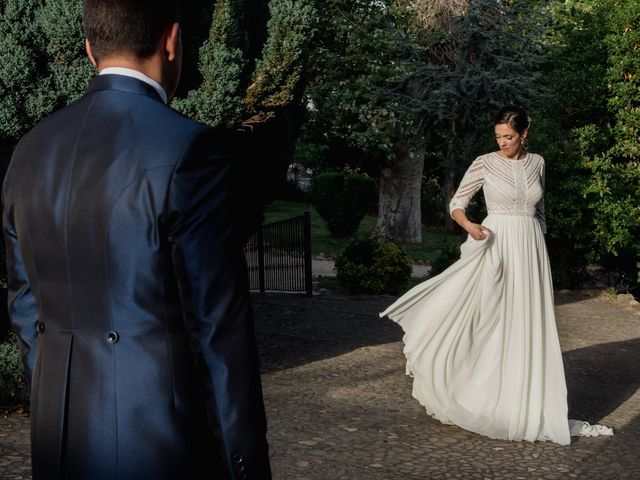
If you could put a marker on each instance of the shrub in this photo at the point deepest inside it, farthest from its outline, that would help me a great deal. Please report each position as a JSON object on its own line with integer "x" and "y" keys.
{"x": 433, "y": 203}
{"x": 449, "y": 253}
{"x": 373, "y": 265}
{"x": 342, "y": 200}
{"x": 13, "y": 383}
{"x": 5, "y": 326}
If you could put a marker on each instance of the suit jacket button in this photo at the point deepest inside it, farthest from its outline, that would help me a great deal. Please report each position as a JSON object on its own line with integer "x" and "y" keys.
{"x": 237, "y": 458}
{"x": 113, "y": 337}
{"x": 40, "y": 327}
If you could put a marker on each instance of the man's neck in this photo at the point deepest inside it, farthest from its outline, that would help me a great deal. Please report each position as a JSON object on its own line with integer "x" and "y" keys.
{"x": 130, "y": 72}
{"x": 150, "y": 73}
{"x": 150, "y": 68}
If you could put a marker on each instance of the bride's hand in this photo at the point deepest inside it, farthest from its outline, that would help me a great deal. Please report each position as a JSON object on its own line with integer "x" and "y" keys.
{"x": 477, "y": 232}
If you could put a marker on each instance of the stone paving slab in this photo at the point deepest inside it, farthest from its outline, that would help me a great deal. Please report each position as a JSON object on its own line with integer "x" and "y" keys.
{"x": 339, "y": 405}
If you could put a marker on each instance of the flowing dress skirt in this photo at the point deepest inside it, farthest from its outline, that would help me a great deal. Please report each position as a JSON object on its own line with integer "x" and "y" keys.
{"x": 481, "y": 340}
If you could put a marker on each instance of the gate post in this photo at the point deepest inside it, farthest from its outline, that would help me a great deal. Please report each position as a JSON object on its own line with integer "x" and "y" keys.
{"x": 260, "y": 241}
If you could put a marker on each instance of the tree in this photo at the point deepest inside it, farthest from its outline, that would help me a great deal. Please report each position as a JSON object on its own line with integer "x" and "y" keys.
{"x": 613, "y": 195}
{"x": 250, "y": 71}
{"x": 362, "y": 54}
{"x": 258, "y": 98}
{"x": 590, "y": 139}
{"x": 42, "y": 62}
{"x": 402, "y": 83}
{"x": 480, "y": 58}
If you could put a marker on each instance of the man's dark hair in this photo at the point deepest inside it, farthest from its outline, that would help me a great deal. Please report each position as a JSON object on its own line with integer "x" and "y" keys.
{"x": 127, "y": 26}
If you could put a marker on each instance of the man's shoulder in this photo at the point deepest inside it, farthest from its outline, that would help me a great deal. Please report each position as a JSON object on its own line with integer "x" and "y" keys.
{"x": 151, "y": 118}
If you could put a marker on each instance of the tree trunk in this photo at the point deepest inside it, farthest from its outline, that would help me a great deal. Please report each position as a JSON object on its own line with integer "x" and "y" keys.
{"x": 399, "y": 216}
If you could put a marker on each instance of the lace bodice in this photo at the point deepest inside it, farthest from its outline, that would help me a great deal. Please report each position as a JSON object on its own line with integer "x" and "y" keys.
{"x": 511, "y": 187}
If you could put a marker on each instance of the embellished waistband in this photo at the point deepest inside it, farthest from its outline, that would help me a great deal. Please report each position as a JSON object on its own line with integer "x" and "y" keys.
{"x": 514, "y": 213}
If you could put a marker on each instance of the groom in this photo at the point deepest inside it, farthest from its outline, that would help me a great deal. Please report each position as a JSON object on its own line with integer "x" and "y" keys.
{"x": 127, "y": 287}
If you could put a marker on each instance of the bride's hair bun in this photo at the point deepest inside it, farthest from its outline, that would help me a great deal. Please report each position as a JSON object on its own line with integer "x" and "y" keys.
{"x": 514, "y": 116}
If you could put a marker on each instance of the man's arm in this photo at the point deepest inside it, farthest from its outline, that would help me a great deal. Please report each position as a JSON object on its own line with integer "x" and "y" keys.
{"x": 22, "y": 306}
{"x": 211, "y": 274}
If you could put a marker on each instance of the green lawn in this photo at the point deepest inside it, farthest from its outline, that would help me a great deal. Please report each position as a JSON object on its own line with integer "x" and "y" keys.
{"x": 323, "y": 242}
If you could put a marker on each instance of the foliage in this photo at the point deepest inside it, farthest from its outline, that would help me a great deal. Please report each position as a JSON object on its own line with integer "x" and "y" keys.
{"x": 478, "y": 58}
{"x": 399, "y": 82}
{"x": 359, "y": 52}
{"x": 218, "y": 101}
{"x": 235, "y": 86}
{"x": 449, "y": 253}
{"x": 42, "y": 62}
{"x": 373, "y": 265}
{"x": 593, "y": 158}
{"x": 434, "y": 203}
{"x": 259, "y": 100}
{"x": 13, "y": 384}
{"x": 342, "y": 200}
{"x": 277, "y": 79}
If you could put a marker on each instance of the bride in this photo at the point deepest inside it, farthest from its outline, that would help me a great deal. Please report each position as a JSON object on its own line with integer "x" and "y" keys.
{"x": 480, "y": 338}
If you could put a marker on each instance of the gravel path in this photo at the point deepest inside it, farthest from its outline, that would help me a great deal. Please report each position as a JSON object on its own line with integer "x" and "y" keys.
{"x": 340, "y": 407}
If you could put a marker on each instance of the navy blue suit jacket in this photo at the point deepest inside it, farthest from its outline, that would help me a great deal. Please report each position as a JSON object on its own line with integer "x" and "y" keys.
{"x": 128, "y": 292}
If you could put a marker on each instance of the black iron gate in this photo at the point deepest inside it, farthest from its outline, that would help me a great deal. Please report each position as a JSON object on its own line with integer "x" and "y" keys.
{"x": 279, "y": 256}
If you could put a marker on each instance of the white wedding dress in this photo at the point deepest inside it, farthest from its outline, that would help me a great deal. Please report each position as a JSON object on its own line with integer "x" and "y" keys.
{"x": 480, "y": 338}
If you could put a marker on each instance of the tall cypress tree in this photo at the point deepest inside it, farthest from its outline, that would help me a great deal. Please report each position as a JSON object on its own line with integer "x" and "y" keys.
{"x": 43, "y": 65}
{"x": 252, "y": 81}
{"x": 218, "y": 101}
{"x": 20, "y": 61}
{"x": 237, "y": 84}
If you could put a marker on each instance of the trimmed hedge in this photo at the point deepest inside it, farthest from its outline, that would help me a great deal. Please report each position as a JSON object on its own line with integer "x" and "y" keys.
{"x": 342, "y": 200}
{"x": 373, "y": 265}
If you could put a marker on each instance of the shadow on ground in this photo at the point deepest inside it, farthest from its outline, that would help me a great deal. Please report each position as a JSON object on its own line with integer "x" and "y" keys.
{"x": 601, "y": 378}
{"x": 294, "y": 330}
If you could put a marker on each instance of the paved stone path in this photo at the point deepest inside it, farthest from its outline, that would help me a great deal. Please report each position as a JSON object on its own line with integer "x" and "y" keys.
{"x": 340, "y": 407}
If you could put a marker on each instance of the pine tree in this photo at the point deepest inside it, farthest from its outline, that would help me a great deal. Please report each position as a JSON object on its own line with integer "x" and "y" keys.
{"x": 236, "y": 85}
{"x": 218, "y": 101}
{"x": 277, "y": 80}
{"x": 68, "y": 65}
{"x": 20, "y": 55}
{"x": 43, "y": 65}
{"x": 258, "y": 98}
{"x": 492, "y": 57}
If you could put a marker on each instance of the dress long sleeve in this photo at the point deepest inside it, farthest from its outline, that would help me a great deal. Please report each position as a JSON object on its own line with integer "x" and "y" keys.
{"x": 471, "y": 182}
{"x": 540, "y": 205}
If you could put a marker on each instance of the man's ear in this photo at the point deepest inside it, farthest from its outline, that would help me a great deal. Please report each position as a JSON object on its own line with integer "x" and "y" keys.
{"x": 87, "y": 47}
{"x": 172, "y": 42}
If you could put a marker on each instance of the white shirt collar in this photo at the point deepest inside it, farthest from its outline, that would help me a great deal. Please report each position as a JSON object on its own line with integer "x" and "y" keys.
{"x": 130, "y": 72}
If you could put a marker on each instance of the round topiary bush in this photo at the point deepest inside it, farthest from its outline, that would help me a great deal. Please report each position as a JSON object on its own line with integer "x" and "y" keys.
{"x": 373, "y": 265}
{"x": 342, "y": 200}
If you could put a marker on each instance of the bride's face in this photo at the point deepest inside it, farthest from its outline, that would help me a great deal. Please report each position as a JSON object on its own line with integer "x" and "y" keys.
{"x": 509, "y": 140}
